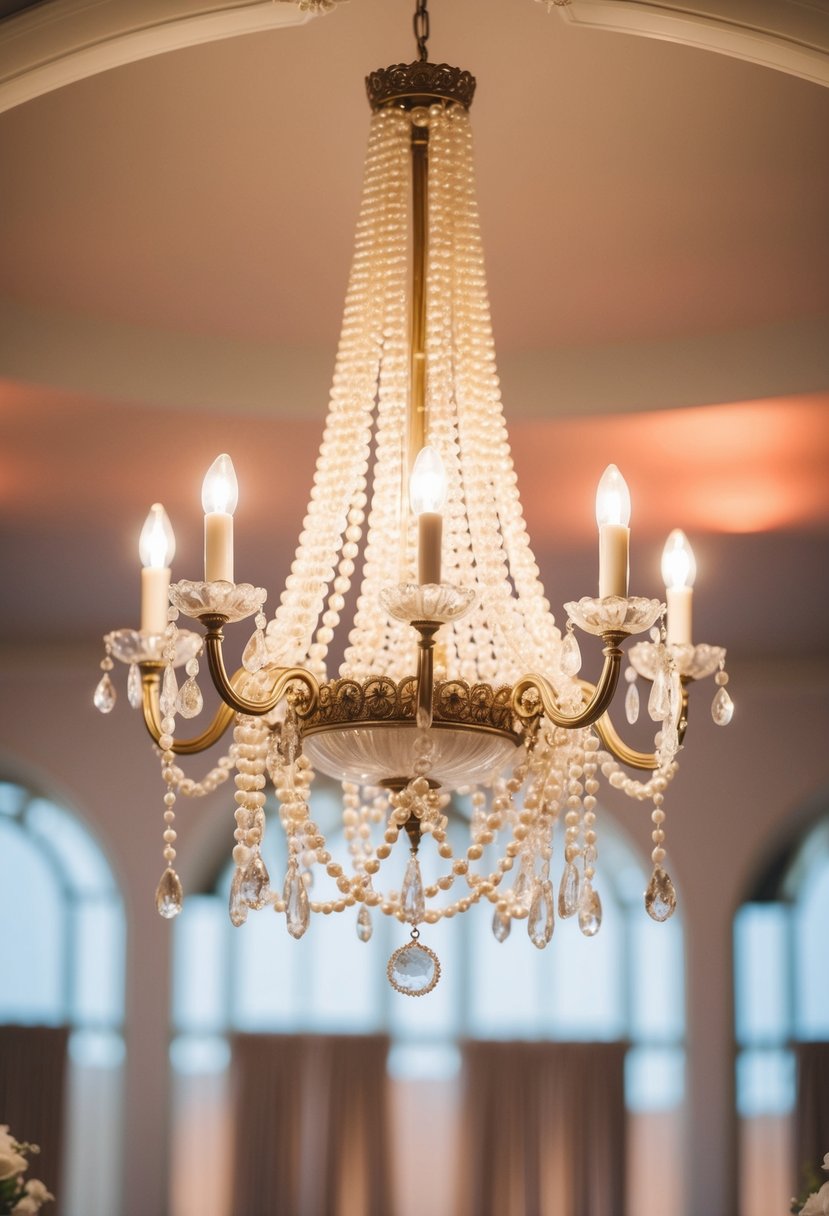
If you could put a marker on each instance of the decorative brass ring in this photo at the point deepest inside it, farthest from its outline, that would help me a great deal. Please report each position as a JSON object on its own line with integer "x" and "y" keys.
{"x": 420, "y": 84}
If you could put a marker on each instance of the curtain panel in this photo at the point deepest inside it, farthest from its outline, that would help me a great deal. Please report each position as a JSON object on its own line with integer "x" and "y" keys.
{"x": 543, "y": 1128}
{"x": 812, "y": 1110}
{"x": 312, "y": 1124}
{"x": 32, "y": 1096}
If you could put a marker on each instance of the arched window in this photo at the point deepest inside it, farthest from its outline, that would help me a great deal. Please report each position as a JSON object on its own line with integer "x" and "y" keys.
{"x": 781, "y": 970}
{"x": 64, "y": 966}
{"x": 624, "y": 984}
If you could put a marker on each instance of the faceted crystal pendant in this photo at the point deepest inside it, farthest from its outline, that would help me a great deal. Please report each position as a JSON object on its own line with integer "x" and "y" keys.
{"x": 169, "y": 896}
{"x": 365, "y": 928}
{"x": 659, "y": 705}
{"x": 237, "y": 907}
{"x": 297, "y": 905}
{"x": 501, "y": 925}
{"x": 255, "y": 654}
{"x": 104, "y": 696}
{"x": 411, "y": 896}
{"x": 414, "y": 969}
{"x": 189, "y": 701}
{"x": 632, "y": 704}
{"x": 255, "y": 883}
{"x": 169, "y": 691}
{"x": 568, "y": 891}
{"x": 674, "y": 695}
{"x": 590, "y": 910}
{"x": 722, "y": 708}
{"x": 134, "y": 695}
{"x": 289, "y": 741}
{"x": 660, "y": 897}
{"x": 540, "y": 923}
{"x": 570, "y": 655}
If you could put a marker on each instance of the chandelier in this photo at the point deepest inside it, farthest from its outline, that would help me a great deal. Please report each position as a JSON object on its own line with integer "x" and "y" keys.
{"x": 454, "y": 677}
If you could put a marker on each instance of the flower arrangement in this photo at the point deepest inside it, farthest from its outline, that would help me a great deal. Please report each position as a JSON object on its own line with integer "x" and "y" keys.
{"x": 18, "y": 1198}
{"x": 817, "y": 1203}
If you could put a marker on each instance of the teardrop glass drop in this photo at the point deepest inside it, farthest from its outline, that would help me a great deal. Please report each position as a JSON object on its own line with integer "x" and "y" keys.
{"x": 169, "y": 896}
{"x": 540, "y": 922}
{"x": 568, "y": 891}
{"x": 660, "y": 897}
{"x": 674, "y": 695}
{"x": 237, "y": 907}
{"x": 590, "y": 910}
{"x": 255, "y": 883}
{"x": 570, "y": 655}
{"x": 255, "y": 653}
{"x": 365, "y": 928}
{"x": 722, "y": 708}
{"x": 288, "y": 745}
{"x": 104, "y": 696}
{"x": 501, "y": 925}
{"x": 134, "y": 694}
{"x": 632, "y": 704}
{"x": 659, "y": 705}
{"x": 169, "y": 691}
{"x": 412, "y": 902}
{"x": 189, "y": 701}
{"x": 297, "y": 906}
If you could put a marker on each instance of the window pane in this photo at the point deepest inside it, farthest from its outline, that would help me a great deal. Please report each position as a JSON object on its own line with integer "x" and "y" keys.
{"x": 506, "y": 980}
{"x": 654, "y": 1078}
{"x": 761, "y": 997}
{"x": 765, "y": 1082}
{"x": 812, "y": 984}
{"x": 86, "y": 869}
{"x": 586, "y": 977}
{"x": 346, "y": 973}
{"x": 200, "y": 964}
{"x": 12, "y": 798}
{"x": 268, "y": 973}
{"x": 657, "y": 978}
{"x": 98, "y": 955}
{"x": 32, "y": 906}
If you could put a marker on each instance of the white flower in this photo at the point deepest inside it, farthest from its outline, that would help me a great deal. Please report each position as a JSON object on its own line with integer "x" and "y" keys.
{"x": 26, "y": 1206}
{"x": 818, "y": 1203}
{"x": 826, "y": 1162}
{"x": 11, "y": 1162}
{"x": 35, "y": 1188}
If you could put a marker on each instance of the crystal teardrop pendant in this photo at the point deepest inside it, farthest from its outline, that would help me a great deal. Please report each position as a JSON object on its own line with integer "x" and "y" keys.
{"x": 169, "y": 897}
{"x": 659, "y": 705}
{"x": 540, "y": 923}
{"x": 169, "y": 691}
{"x": 412, "y": 902}
{"x": 365, "y": 928}
{"x": 632, "y": 704}
{"x": 255, "y": 654}
{"x": 189, "y": 701}
{"x": 590, "y": 910}
{"x": 104, "y": 696}
{"x": 501, "y": 925}
{"x": 414, "y": 969}
{"x": 722, "y": 707}
{"x": 568, "y": 891}
{"x": 660, "y": 897}
{"x": 570, "y": 655}
{"x": 134, "y": 693}
{"x": 237, "y": 907}
{"x": 288, "y": 745}
{"x": 297, "y": 906}
{"x": 255, "y": 883}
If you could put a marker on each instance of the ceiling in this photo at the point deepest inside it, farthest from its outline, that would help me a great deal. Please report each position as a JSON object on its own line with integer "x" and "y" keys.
{"x": 174, "y": 250}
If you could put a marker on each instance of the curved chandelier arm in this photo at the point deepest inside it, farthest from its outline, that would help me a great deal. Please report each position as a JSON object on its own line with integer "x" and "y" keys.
{"x": 150, "y": 683}
{"x": 613, "y": 743}
{"x": 282, "y": 678}
{"x": 600, "y": 695}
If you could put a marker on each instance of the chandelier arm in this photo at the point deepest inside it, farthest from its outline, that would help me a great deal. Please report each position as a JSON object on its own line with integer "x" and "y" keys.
{"x": 613, "y": 743}
{"x": 425, "y": 671}
{"x": 600, "y": 694}
{"x": 150, "y": 685}
{"x": 283, "y": 677}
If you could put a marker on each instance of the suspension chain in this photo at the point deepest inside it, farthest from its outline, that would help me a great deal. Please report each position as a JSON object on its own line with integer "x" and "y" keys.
{"x": 421, "y": 30}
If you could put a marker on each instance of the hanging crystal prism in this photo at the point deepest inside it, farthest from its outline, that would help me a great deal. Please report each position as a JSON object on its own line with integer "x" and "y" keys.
{"x": 540, "y": 923}
{"x": 255, "y": 654}
{"x": 660, "y": 897}
{"x": 568, "y": 891}
{"x": 169, "y": 897}
{"x": 297, "y": 905}
{"x": 134, "y": 692}
{"x": 570, "y": 654}
{"x": 590, "y": 910}
{"x": 189, "y": 701}
{"x": 659, "y": 706}
{"x": 412, "y": 903}
{"x": 365, "y": 927}
{"x": 237, "y": 907}
{"x": 722, "y": 707}
{"x": 255, "y": 883}
{"x": 169, "y": 691}
{"x": 414, "y": 969}
{"x": 104, "y": 696}
{"x": 501, "y": 925}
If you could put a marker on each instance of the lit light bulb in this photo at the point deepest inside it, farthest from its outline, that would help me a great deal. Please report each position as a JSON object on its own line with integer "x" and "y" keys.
{"x": 679, "y": 567}
{"x": 612, "y": 498}
{"x": 220, "y": 489}
{"x": 157, "y": 544}
{"x": 427, "y": 484}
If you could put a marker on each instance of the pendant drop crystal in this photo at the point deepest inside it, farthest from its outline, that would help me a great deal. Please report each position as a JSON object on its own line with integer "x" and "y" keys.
{"x": 570, "y": 655}
{"x": 237, "y": 907}
{"x": 632, "y": 704}
{"x": 189, "y": 701}
{"x": 540, "y": 923}
{"x": 255, "y": 883}
{"x": 722, "y": 708}
{"x": 289, "y": 741}
{"x": 414, "y": 969}
{"x": 660, "y": 897}
{"x": 169, "y": 896}
{"x": 169, "y": 691}
{"x": 104, "y": 696}
{"x": 134, "y": 694}
{"x": 568, "y": 891}
{"x": 255, "y": 654}
{"x": 365, "y": 928}
{"x": 501, "y": 925}
{"x": 659, "y": 705}
{"x": 590, "y": 910}
{"x": 297, "y": 906}
{"x": 412, "y": 902}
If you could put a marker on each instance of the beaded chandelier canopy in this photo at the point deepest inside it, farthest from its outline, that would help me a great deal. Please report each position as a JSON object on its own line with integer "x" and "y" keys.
{"x": 414, "y": 565}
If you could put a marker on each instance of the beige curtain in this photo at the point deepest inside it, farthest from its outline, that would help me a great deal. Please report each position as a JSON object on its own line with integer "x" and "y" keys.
{"x": 312, "y": 1124}
{"x": 32, "y": 1095}
{"x": 812, "y": 1109}
{"x": 544, "y": 1129}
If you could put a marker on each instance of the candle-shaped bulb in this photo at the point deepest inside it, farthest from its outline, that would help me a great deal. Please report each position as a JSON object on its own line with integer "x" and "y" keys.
{"x": 427, "y": 484}
{"x": 220, "y": 489}
{"x": 679, "y": 567}
{"x": 156, "y": 544}
{"x": 612, "y": 498}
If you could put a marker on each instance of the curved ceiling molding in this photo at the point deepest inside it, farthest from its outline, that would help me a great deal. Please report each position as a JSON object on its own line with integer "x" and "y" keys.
{"x": 66, "y": 40}
{"x": 789, "y": 35}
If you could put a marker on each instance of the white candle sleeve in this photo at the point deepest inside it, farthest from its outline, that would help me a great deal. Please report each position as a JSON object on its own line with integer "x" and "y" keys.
{"x": 679, "y": 600}
{"x": 218, "y": 547}
{"x": 429, "y": 542}
{"x": 614, "y": 545}
{"x": 155, "y": 583}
